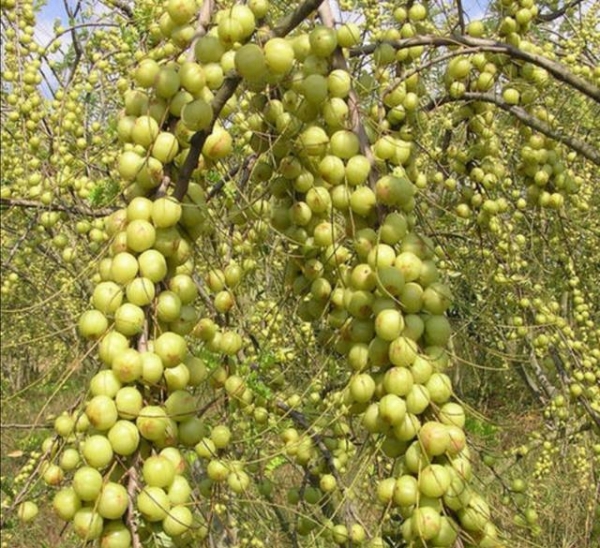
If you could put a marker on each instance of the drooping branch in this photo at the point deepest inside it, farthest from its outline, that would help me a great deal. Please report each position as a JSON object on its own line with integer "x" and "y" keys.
{"x": 301, "y": 420}
{"x": 555, "y": 69}
{"x": 583, "y": 148}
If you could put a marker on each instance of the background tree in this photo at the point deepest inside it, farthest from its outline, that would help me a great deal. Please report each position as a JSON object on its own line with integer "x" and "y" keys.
{"x": 288, "y": 256}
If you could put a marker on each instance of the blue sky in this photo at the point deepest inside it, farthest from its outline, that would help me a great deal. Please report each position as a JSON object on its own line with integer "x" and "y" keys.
{"x": 54, "y": 9}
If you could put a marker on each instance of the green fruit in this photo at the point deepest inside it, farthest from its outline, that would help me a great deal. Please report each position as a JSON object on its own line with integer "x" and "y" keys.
{"x": 124, "y": 437}
{"x": 153, "y": 503}
{"x": 101, "y": 412}
{"x": 113, "y": 500}
{"x": 406, "y": 491}
{"x": 178, "y": 521}
{"x": 140, "y": 235}
{"x": 27, "y": 511}
{"x": 434, "y": 480}
{"x": 158, "y": 471}
{"x": 426, "y": 523}
{"x": 434, "y": 438}
{"x": 115, "y": 535}
{"x": 279, "y": 55}
{"x": 66, "y": 502}
{"x": 362, "y": 388}
{"x": 97, "y": 451}
{"x": 87, "y": 524}
{"x": 170, "y": 348}
{"x": 323, "y": 41}
{"x": 152, "y": 422}
{"x": 87, "y": 483}
{"x": 107, "y": 297}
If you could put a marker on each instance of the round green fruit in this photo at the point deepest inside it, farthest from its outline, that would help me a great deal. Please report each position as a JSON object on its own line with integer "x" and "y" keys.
{"x": 87, "y": 524}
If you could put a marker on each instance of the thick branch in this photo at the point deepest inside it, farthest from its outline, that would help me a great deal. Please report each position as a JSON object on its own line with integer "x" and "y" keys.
{"x": 586, "y": 150}
{"x": 292, "y": 20}
{"x": 199, "y": 138}
{"x": 130, "y": 517}
{"x": 556, "y": 69}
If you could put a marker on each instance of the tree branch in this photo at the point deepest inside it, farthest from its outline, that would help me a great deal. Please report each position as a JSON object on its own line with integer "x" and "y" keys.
{"x": 552, "y": 15}
{"x": 583, "y": 148}
{"x": 339, "y": 62}
{"x": 461, "y": 16}
{"x": 292, "y": 20}
{"x": 123, "y": 7}
{"x": 227, "y": 89}
{"x": 556, "y": 69}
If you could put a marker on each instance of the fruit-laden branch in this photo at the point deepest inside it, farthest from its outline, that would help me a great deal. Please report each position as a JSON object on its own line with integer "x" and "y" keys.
{"x": 499, "y": 473}
{"x": 548, "y": 388}
{"x": 560, "y": 368}
{"x": 586, "y": 150}
{"x": 357, "y": 126}
{"x": 304, "y": 423}
{"x": 227, "y": 89}
{"x": 80, "y": 210}
{"x": 203, "y": 20}
{"x": 556, "y": 69}
{"x": 18, "y": 243}
{"x": 551, "y": 16}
